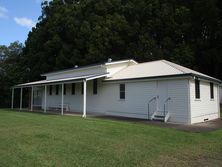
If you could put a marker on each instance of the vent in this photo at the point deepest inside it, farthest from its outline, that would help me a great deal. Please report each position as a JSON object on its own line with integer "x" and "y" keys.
{"x": 109, "y": 60}
{"x": 206, "y": 119}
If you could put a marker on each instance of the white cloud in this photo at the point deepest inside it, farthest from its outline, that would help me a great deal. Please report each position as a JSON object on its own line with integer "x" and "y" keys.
{"x": 3, "y": 12}
{"x": 25, "y": 22}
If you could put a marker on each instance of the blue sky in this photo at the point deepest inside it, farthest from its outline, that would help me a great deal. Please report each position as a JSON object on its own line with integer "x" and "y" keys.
{"x": 16, "y": 19}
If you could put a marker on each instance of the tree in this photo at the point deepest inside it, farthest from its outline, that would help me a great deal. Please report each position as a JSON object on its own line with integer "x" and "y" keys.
{"x": 83, "y": 32}
{"x": 10, "y": 70}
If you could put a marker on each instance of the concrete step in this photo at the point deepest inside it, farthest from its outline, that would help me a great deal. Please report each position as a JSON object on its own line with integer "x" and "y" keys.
{"x": 158, "y": 118}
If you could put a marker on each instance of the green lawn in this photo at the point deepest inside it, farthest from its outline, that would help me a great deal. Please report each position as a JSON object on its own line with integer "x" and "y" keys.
{"x": 29, "y": 139}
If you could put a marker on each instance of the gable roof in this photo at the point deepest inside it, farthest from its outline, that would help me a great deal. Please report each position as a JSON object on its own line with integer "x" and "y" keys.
{"x": 156, "y": 69}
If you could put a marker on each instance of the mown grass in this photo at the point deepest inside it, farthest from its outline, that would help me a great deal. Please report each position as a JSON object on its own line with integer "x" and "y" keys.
{"x": 29, "y": 139}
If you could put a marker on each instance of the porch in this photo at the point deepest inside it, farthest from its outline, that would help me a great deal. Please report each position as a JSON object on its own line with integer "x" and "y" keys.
{"x": 58, "y": 106}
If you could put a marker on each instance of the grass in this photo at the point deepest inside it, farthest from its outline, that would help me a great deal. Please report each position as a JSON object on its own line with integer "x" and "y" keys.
{"x": 29, "y": 139}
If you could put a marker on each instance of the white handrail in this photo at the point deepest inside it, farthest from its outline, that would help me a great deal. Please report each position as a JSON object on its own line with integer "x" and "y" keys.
{"x": 169, "y": 98}
{"x": 154, "y": 98}
{"x": 166, "y": 116}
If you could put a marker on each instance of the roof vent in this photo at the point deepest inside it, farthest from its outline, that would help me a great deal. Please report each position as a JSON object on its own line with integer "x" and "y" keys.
{"x": 76, "y": 66}
{"x": 109, "y": 60}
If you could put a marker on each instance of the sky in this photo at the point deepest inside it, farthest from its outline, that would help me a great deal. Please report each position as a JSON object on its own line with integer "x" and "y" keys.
{"x": 17, "y": 17}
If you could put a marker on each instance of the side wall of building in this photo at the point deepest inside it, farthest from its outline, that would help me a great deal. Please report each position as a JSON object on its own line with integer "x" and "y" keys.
{"x": 205, "y": 108}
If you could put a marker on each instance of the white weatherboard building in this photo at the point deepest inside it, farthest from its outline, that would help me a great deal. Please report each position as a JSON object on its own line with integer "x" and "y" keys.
{"x": 157, "y": 90}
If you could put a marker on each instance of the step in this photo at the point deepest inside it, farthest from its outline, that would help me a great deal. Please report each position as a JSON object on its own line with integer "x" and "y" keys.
{"x": 158, "y": 119}
{"x": 158, "y": 116}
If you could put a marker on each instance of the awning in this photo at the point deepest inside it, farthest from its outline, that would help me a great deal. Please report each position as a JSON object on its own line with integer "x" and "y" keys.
{"x": 62, "y": 80}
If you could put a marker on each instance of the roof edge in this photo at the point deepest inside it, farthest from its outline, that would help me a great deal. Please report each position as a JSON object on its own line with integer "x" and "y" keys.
{"x": 90, "y": 66}
{"x": 168, "y": 76}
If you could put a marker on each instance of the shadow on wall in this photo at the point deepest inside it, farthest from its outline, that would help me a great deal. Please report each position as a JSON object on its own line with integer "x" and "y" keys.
{"x": 221, "y": 110}
{"x": 220, "y": 95}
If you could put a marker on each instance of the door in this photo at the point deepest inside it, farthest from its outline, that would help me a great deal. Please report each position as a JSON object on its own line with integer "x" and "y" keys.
{"x": 162, "y": 94}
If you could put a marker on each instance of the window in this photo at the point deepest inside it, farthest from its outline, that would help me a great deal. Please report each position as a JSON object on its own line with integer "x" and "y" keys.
{"x": 122, "y": 91}
{"x": 95, "y": 86}
{"x": 73, "y": 88}
{"x": 197, "y": 89}
{"x": 50, "y": 90}
{"x": 64, "y": 91}
{"x": 211, "y": 90}
{"x": 57, "y": 89}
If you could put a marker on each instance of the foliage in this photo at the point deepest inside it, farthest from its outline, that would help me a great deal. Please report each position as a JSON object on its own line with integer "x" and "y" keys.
{"x": 10, "y": 70}
{"x": 82, "y": 32}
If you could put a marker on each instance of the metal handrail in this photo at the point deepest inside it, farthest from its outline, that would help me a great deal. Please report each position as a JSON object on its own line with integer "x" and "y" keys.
{"x": 154, "y": 98}
{"x": 165, "y": 102}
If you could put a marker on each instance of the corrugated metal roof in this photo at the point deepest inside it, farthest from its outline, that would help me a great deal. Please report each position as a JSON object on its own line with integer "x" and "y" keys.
{"x": 89, "y": 66}
{"x": 63, "y": 80}
{"x": 155, "y": 69}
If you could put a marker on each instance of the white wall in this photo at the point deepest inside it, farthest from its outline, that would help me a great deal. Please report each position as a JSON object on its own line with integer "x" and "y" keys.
{"x": 135, "y": 105}
{"x": 139, "y": 93}
{"x": 205, "y": 107}
{"x": 178, "y": 107}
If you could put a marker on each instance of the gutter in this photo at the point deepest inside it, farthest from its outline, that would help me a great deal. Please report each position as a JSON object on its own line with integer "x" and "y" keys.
{"x": 168, "y": 76}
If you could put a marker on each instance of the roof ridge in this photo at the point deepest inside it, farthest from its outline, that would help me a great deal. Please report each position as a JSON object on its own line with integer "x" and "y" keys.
{"x": 171, "y": 64}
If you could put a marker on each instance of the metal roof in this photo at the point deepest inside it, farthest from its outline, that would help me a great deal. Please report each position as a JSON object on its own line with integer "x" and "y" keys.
{"x": 62, "y": 80}
{"x": 89, "y": 66}
{"x": 156, "y": 69}
{"x": 148, "y": 70}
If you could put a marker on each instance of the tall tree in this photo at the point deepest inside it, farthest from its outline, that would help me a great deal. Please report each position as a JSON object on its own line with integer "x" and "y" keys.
{"x": 10, "y": 70}
{"x": 82, "y": 32}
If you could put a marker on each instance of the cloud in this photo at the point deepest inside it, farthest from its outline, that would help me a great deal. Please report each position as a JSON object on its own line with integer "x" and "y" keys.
{"x": 24, "y": 22}
{"x": 3, "y": 12}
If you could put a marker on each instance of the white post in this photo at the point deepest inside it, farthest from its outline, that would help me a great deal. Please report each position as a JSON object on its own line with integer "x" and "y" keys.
{"x": 12, "y": 106}
{"x": 84, "y": 99}
{"x": 62, "y": 99}
{"x": 45, "y": 99}
{"x": 21, "y": 99}
{"x": 32, "y": 99}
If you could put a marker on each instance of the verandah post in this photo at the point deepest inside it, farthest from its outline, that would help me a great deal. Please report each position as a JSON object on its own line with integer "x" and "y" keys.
{"x": 32, "y": 98}
{"x": 62, "y": 108}
{"x": 45, "y": 98}
{"x": 21, "y": 99}
{"x": 12, "y": 104}
{"x": 84, "y": 99}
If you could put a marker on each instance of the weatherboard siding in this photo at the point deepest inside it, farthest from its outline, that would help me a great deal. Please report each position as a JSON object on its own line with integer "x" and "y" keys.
{"x": 137, "y": 95}
{"x": 205, "y": 107}
{"x": 178, "y": 105}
